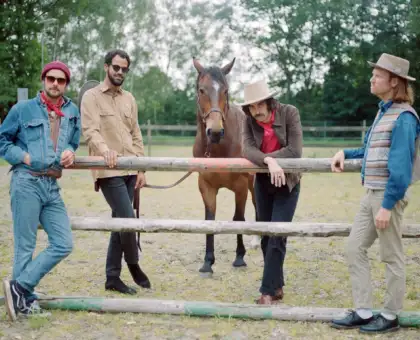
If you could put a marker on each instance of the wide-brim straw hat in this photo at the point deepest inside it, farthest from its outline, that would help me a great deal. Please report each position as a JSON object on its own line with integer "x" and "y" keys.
{"x": 393, "y": 64}
{"x": 256, "y": 92}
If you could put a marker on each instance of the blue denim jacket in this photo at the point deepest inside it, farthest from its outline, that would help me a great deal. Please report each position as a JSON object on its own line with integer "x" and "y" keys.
{"x": 27, "y": 129}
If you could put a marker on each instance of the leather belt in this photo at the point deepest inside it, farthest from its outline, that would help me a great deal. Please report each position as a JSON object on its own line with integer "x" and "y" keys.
{"x": 49, "y": 173}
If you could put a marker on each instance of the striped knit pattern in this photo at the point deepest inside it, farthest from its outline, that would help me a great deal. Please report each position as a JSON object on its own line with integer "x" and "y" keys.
{"x": 379, "y": 143}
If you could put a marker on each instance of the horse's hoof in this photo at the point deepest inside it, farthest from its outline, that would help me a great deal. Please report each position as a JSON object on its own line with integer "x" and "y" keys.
{"x": 239, "y": 262}
{"x": 206, "y": 275}
{"x": 206, "y": 269}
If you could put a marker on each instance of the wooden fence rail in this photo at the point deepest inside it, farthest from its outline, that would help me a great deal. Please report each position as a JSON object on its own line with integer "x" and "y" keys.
{"x": 297, "y": 229}
{"x": 154, "y": 127}
{"x": 190, "y": 128}
{"x": 212, "y": 164}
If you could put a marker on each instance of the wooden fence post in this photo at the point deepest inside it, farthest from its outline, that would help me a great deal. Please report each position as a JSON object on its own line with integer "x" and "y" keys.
{"x": 149, "y": 139}
{"x": 364, "y": 130}
{"x": 325, "y": 129}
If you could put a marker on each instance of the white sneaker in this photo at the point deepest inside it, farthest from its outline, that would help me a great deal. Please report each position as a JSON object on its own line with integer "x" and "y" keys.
{"x": 255, "y": 241}
{"x": 33, "y": 309}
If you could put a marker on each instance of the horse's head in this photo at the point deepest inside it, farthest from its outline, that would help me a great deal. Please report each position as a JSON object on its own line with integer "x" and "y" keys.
{"x": 213, "y": 98}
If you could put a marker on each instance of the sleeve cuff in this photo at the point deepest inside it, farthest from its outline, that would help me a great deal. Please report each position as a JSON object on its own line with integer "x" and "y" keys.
{"x": 347, "y": 154}
{"x": 102, "y": 148}
{"x": 17, "y": 155}
{"x": 388, "y": 203}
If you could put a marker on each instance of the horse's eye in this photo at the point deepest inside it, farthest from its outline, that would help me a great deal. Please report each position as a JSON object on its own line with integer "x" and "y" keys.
{"x": 201, "y": 91}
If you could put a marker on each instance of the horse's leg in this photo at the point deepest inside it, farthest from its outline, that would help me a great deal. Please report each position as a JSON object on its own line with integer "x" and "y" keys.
{"x": 208, "y": 193}
{"x": 256, "y": 239}
{"x": 241, "y": 194}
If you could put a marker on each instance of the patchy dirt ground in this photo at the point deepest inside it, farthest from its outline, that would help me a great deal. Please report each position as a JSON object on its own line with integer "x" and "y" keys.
{"x": 315, "y": 268}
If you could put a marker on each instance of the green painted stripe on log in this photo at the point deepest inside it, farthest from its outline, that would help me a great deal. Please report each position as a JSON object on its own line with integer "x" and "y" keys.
{"x": 77, "y": 304}
{"x": 208, "y": 309}
{"x": 409, "y": 319}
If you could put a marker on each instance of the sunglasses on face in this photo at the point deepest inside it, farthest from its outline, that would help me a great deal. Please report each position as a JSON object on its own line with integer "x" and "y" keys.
{"x": 60, "y": 81}
{"x": 117, "y": 68}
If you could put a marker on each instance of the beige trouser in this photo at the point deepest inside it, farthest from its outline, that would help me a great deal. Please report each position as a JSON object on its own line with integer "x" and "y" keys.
{"x": 362, "y": 236}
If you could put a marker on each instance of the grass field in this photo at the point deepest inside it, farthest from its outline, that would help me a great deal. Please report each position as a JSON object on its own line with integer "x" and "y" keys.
{"x": 315, "y": 268}
{"x": 308, "y": 141}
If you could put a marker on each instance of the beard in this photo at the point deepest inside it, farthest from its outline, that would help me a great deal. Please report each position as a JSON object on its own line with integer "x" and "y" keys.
{"x": 114, "y": 81}
{"x": 53, "y": 93}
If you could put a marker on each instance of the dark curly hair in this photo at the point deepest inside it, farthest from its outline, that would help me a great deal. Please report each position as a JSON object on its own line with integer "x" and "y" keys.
{"x": 271, "y": 105}
{"x": 111, "y": 54}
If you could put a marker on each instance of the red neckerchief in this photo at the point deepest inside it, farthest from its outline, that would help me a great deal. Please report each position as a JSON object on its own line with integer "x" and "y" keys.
{"x": 53, "y": 107}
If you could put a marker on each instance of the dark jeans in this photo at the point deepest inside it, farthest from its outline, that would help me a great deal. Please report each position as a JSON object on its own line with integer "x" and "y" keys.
{"x": 119, "y": 193}
{"x": 274, "y": 205}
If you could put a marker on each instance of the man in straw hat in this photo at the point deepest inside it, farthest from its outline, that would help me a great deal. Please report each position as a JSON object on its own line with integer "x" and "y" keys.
{"x": 272, "y": 130}
{"x": 389, "y": 154}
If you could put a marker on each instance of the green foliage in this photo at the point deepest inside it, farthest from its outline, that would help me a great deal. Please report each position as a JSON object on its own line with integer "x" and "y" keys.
{"x": 314, "y": 52}
{"x": 319, "y": 50}
{"x": 20, "y": 52}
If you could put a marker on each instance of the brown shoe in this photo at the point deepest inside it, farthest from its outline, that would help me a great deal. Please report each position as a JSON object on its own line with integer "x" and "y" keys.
{"x": 279, "y": 294}
{"x": 265, "y": 300}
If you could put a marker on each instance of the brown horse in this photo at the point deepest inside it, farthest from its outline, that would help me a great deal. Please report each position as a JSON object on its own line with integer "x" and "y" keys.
{"x": 219, "y": 135}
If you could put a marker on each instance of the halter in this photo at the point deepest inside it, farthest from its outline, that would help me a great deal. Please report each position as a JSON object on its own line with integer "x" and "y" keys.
{"x": 205, "y": 115}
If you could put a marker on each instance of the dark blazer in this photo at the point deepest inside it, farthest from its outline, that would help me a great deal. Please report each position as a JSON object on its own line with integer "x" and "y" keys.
{"x": 288, "y": 130}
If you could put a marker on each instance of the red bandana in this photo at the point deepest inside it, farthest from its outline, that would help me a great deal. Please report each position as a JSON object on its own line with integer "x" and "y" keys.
{"x": 53, "y": 107}
{"x": 270, "y": 143}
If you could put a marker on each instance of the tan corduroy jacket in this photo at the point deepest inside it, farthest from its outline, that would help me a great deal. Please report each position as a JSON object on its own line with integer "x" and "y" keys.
{"x": 110, "y": 122}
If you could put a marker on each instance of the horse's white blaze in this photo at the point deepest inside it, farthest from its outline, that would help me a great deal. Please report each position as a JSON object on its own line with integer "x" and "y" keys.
{"x": 216, "y": 86}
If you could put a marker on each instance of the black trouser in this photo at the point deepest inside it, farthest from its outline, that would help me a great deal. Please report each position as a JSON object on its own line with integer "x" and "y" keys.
{"x": 119, "y": 193}
{"x": 274, "y": 205}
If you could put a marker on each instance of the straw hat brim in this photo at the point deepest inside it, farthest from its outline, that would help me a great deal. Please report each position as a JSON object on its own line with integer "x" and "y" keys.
{"x": 383, "y": 68}
{"x": 249, "y": 102}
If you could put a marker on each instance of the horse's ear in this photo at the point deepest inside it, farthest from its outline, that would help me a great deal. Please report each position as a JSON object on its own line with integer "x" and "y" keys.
{"x": 198, "y": 66}
{"x": 227, "y": 68}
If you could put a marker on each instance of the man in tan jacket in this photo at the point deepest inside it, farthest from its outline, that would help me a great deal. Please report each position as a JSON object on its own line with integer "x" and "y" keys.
{"x": 110, "y": 127}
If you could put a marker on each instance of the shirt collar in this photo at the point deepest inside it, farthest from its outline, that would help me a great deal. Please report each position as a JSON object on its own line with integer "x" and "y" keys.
{"x": 384, "y": 106}
{"x": 104, "y": 88}
{"x": 39, "y": 100}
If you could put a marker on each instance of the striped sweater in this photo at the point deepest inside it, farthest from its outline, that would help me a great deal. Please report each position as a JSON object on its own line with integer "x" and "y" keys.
{"x": 376, "y": 155}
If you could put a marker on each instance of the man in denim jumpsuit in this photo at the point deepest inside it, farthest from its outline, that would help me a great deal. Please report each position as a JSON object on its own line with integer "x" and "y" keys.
{"x": 38, "y": 138}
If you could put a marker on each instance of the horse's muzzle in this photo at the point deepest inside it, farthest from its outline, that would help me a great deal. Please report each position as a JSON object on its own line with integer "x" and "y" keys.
{"x": 215, "y": 136}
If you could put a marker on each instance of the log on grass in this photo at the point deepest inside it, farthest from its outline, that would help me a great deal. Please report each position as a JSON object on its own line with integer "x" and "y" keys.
{"x": 208, "y": 309}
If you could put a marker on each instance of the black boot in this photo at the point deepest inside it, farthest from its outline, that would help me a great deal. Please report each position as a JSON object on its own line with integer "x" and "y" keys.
{"x": 352, "y": 320}
{"x": 138, "y": 276}
{"x": 380, "y": 324}
{"x": 115, "y": 283}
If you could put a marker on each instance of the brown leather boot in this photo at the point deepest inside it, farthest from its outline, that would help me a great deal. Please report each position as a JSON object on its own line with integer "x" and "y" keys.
{"x": 265, "y": 300}
{"x": 279, "y": 294}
